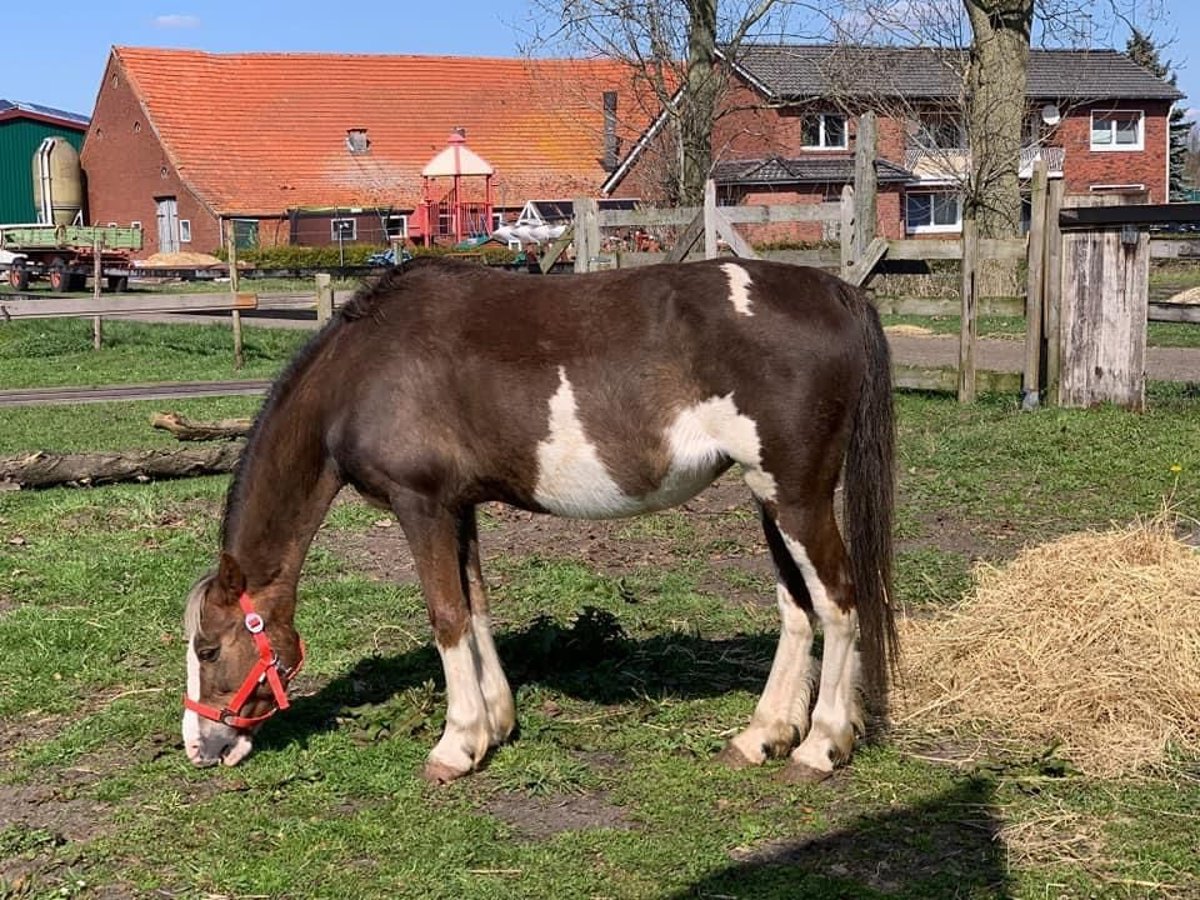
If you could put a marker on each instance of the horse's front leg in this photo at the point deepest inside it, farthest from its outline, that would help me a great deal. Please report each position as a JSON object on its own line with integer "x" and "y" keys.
{"x": 433, "y": 538}
{"x": 497, "y": 695}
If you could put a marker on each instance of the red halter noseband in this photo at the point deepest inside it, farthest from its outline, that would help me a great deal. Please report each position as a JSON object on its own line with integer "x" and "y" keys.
{"x": 268, "y": 669}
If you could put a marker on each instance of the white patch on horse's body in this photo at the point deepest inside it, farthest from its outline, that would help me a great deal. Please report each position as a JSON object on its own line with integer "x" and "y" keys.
{"x": 831, "y": 735}
{"x": 573, "y": 481}
{"x": 739, "y": 287}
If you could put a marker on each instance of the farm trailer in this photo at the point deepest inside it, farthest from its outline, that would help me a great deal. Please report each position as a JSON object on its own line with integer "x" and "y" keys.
{"x": 65, "y": 255}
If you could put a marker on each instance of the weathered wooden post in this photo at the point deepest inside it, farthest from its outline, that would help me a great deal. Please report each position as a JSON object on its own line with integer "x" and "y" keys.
{"x": 710, "y": 219}
{"x": 968, "y": 333}
{"x": 97, "y": 274}
{"x": 587, "y": 233}
{"x": 324, "y": 297}
{"x": 866, "y": 184}
{"x": 847, "y": 230}
{"x": 1052, "y": 300}
{"x": 1031, "y": 382}
{"x": 236, "y": 317}
{"x": 1105, "y": 302}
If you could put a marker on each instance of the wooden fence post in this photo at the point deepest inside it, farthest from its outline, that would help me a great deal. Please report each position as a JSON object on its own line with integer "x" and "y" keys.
{"x": 969, "y": 329}
{"x": 587, "y": 233}
{"x": 1031, "y": 383}
{"x": 1052, "y": 300}
{"x": 236, "y": 317}
{"x": 324, "y": 297}
{"x": 866, "y": 184}
{"x": 97, "y": 273}
{"x": 710, "y": 219}
{"x": 847, "y": 229}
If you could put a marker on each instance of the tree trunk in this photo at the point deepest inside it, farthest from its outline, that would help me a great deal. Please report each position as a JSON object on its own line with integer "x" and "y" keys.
{"x": 699, "y": 101}
{"x": 996, "y": 111}
{"x": 186, "y": 430}
{"x": 46, "y": 469}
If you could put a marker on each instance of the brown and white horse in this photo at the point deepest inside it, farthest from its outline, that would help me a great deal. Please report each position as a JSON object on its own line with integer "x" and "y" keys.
{"x": 447, "y": 385}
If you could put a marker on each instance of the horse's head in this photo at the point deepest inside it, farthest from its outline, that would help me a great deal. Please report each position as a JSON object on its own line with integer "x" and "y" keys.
{"x": 238, "y": 667}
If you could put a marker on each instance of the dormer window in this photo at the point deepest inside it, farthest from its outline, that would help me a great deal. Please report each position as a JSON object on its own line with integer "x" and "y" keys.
{"x": 356, "y": 140}
{"x": 823, "y": 131}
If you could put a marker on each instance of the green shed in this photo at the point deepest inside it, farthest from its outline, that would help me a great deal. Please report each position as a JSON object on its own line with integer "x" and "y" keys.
{"x": 23, "y": 127}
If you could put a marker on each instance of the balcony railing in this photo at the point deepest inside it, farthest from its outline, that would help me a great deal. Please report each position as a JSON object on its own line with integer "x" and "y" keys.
{"x": 953, "y": 165}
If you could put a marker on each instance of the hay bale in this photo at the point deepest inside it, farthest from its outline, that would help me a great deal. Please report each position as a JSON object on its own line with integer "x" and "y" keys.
{"x": 1092, "y": 641}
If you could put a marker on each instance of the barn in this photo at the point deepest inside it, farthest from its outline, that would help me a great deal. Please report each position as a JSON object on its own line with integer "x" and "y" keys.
{"x": 317, "y": 148}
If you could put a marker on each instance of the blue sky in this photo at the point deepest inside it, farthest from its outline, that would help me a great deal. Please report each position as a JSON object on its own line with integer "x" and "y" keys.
{"x": 63, "y": 67}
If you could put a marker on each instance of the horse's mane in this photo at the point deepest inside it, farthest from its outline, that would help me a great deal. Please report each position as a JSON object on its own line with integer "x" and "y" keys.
{"x": 374, "y": 293}
{"x": 193, "y": 608}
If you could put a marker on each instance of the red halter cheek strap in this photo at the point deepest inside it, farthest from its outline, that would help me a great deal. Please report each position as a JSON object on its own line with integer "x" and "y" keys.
{"x": 268, "y": 669}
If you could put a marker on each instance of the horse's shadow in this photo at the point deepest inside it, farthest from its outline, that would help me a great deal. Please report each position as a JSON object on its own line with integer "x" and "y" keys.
{"x": 592, "y": 659}
{"x": 945, "y": 846}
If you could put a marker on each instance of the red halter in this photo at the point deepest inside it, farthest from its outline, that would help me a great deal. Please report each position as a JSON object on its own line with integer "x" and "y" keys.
{"x": 268, "y": 669}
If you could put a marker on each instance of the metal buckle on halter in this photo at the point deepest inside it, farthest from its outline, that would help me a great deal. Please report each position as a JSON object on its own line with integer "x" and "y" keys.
{"x": 254, "y": 622}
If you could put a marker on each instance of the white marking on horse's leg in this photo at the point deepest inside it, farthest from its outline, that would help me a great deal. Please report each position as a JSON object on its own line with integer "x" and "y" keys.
{"x": 831, "y": 737}
{"x": 497, "y": 695}
{"x": 781, "y": 716}
{"x": 466, "y": 739}
{"x": 739, "y": 287}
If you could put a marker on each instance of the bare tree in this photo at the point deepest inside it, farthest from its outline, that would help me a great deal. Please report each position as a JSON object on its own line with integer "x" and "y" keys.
{"x": 675, "y": 48}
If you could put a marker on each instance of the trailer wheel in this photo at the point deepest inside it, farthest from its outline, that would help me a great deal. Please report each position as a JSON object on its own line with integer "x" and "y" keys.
{"x": 18, "y": 275}
{"x": 60, "y": 280}
{"x": 76, "y": 281}
{"x": 118, "y": 284}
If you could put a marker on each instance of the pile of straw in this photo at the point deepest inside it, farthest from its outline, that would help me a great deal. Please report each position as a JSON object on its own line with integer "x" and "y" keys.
{"x": 1091, "y": 641}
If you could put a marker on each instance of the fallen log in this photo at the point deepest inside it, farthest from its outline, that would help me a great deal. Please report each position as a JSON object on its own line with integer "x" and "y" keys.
{"x": 44, "y": 469}
{"x": 186, "y": 430}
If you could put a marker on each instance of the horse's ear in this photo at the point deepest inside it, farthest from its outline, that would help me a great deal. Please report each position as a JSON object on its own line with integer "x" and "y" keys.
{"x": 230, "y": 578}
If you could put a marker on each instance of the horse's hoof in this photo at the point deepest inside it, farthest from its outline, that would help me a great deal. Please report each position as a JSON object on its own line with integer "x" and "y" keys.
{"x": 801, "y": 773}
{"x": 734, "y": 758}
{"x": 440, "y": 773}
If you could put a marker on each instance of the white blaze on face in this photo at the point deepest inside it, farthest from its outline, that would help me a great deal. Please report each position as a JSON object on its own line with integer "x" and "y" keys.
{"x": 573, "y": 481}
{"x": 191, "y": 721}
{"x": 739, "y": 287}
{"x": 207, "y": 742}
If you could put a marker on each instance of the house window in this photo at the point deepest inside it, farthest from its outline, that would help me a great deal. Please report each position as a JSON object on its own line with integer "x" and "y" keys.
{"x": 185, "y": 231}
{"x": 940, "y": 132}
{"x": 343, "y": 229}
{"x": 396, "y": 227}
{"x": 932, "y": 211}
{"x": 823, "y": 131}
{"x": 1118, "y": 130}
{"x": 135, "y": 224}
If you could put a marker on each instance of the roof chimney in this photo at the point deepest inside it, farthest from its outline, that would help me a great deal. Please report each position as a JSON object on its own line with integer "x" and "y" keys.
{"x": 612, "y": 146}
{"x": 357, "y": 141}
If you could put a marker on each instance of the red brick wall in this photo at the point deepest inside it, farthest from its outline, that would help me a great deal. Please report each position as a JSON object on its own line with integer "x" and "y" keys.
{"x": 1085, "y": 167}
{"x": 127, "y": 168}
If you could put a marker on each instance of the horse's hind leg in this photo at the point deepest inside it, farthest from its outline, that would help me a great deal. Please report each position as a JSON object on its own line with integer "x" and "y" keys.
{"x": 497, "y": 695}
{"x": 815, "y": 546}
{"x": 781, "y": 716}
{"x": 433, "y": 537}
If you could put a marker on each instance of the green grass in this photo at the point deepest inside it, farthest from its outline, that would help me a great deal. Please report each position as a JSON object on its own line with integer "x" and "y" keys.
{"x": 626, "y": 685}
{"x": 1159, "y": 334}
{"x": 58, "y": 352}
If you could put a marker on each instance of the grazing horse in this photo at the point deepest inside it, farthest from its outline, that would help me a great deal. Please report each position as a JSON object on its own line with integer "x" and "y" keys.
{"x": 445, "y": 385}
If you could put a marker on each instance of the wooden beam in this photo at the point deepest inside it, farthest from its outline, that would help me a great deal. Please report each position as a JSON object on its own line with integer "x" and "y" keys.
{"x": 710, "y": 219}
{"x": 968, "y": 326}
{"x": 1006, "y": 307}
{"x": 1052, "y": 301}
{"x": 738, "y": 244}
{"x": 1031, "y": 384}
{"x": 738, "y": 215}
{"x": 550, "y": 257}
{"x": 53, "y": 308}
{"x": 919, "y": 378}
{"x": 1175, "y": 312}
{"x": 866, "y": 185}
{"x": 687, "y": 239}
{"x": 951, "y": 248}
{"x": 861, "y": 271}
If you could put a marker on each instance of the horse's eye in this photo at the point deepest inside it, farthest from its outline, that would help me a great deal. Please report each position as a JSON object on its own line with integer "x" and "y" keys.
{"x": 208, "y": 654}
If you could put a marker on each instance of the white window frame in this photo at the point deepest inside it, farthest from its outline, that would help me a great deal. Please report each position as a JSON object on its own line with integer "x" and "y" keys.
{"x": 823, "y": 143}
{"x": 396, "y": 218}
{"x": 932, "y": 228}
{"x": 185, "y": 231}
{"x": 1114, "y": 115}
{"x": 335, "y": 233}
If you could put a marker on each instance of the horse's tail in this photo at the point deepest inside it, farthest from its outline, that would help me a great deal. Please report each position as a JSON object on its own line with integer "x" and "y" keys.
{"x": 869, "y": 500}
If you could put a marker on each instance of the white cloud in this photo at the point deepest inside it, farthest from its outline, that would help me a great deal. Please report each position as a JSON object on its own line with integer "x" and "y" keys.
{"x": 176, "y": 20}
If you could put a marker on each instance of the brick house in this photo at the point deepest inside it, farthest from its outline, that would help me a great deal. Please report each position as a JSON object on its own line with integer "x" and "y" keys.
{"x": 789, "y": 119}
{"x": 310, "y": 148}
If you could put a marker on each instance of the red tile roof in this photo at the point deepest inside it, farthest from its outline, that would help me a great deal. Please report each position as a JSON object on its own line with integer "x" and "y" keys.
{"x": 266, "y": 132}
